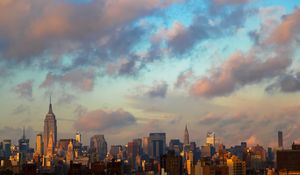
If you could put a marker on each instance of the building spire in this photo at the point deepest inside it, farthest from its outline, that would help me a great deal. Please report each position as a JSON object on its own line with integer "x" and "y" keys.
{"x": 24, "y": 132}
{"x": 50, "y": 107}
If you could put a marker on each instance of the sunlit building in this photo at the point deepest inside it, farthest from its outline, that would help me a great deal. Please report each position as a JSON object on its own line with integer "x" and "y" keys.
{"x": 39, "y": 144}
{"x": 211, "y": 138}
{"x": 50, "y": 126}
{"x": 78, "y": 137}
{"x": 146, "y": 145}
{"x": 70, "y": 153}
{"x": 236, "y": 166}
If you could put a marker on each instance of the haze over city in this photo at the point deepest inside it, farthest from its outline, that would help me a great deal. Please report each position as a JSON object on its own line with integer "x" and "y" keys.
{"x": 125, "y": 68}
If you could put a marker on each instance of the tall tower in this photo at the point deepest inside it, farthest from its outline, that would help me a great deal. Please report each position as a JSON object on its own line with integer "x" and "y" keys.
{"x": 186, "y": 139}
{"x": 78, "y": 137}
{"x": 280, "y": 139}
{"x": 50, "y": 126}
{"x": 39, "y": 144}
{"x": 98, "y": 148}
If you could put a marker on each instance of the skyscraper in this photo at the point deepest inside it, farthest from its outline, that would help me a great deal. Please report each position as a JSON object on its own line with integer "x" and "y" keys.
{"x": 146, "y": 145}
{"x": 50, "y": 126}
{"x": 23, "y": 147}
{"x": 98, "y": 148}
{"x": 70, "y": 153}
{"x": 211, "y": 138}
{"x": 78, "y": 137}
{"x": 39, "y": 144}
{"x": 186, "y": 138}
{"x": 6, "y": 148}
{"x": 157, "y": 145}
{"x": 280, "y": 139}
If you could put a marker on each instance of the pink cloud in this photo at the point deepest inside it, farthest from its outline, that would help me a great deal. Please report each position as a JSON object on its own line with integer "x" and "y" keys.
{"x": 78, "y": 78}
{"x": 237, "y": 71}
{"x": 99, "y": 120}
{"x": 287, "y": 30}
{"x": 221, "y": 2}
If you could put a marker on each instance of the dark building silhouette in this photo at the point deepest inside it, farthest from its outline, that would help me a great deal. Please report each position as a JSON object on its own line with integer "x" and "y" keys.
{"x": 171, "y": 163}
{"x": 289, "y": 160}
{"x": 280, "y": 139}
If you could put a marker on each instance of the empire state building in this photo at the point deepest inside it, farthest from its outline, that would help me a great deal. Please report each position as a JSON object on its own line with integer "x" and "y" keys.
{"x": 50, "y": 127}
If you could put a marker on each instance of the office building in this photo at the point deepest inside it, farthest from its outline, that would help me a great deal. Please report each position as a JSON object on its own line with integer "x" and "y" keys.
{"x": 236, "y": 166}
{"x": 98, "y": 148}
{"x": 6, "y": 148}
{"x": 288, "y": 161}
{"x": 50, "y": 126}
{"x": 157, "y": 145}
{"x": 39, "y": 144}
{"x": 23, "y": 148}
{"x": 211, "y": 138}
{"x": 171, "y": 163}
{"x": 78, "y": 137}
{"x": 146, "y": 144}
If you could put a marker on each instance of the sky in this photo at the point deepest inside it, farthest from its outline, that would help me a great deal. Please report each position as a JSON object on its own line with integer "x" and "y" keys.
{"x": 125, "y": 68}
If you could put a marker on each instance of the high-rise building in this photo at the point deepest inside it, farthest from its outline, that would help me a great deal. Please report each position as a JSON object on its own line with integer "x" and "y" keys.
{"x": 78, "y": 137}
{"x": 23, "y": 147}
{"x": 211, "y": 138}
{"x": 146, "y": 144}
{"x": 132, "y": 152}
{"x": 157, "y": 145}
{"x": 6, "y": 148}
{"x": 175, "y": 145}
{"x": 50, "y": 146}
{"x": 171, "y": 163}
{"x": 50, "y": 126}
{"x": 280, "y": 139}
{"x": 138, "y": 141}
{"x": 116, "y": 151}
{"x": 39, "y": 144}
{"x": 98, "y": 148}
{"x": 236, "y": 166}
{"x": 70, "y": 153}
{"x": 186, "y": 138}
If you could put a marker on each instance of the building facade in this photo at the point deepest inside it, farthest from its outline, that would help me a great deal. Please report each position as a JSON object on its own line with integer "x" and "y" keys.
{"x": 50, "y": 126}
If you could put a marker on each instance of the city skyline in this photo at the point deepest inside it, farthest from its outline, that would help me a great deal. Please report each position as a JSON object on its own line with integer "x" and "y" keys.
{"x": 124, "y": 69}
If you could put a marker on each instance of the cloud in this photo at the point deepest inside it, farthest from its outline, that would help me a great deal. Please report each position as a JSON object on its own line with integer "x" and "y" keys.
{"x": 223, "y": 2}
{"x": 78, "y": 78}
{"x": 237, "y": 71}
{"x": 255, "y": 128}
{"x": 21, "y": 109}
{"x": 100, "y": 120}
{"x": 30, "y": 29}
{"x": 203, "y": 27}
{"x": 159, "y": 89}
{"x": 24, "y": 90}
{"x": 285, "y": 83}
{"x": 184, "y": 78}
{"x": 287, "y": 31}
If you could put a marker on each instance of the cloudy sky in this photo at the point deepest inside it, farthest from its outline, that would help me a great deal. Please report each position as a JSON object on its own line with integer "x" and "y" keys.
{"x": 125, "y": 68}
